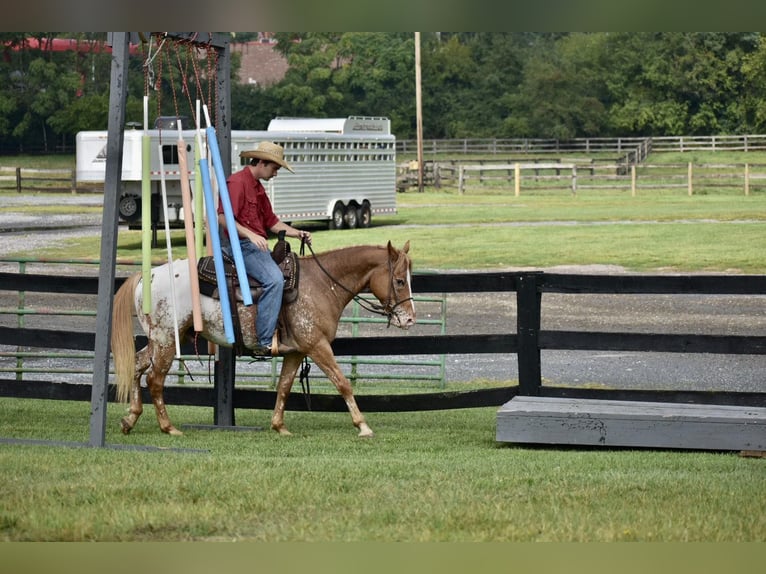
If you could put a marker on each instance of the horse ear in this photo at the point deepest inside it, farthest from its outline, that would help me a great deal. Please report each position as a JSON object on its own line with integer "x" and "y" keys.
{"x": 393, "y": 252}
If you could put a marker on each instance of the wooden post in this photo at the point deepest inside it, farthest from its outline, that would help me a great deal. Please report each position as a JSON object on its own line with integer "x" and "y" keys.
{"x": 574, "y": 180}
{"x": 74, "y": 181}
{"x": 461, "y": 179}
{"x": 517, "y": 180}
{"x": 528, "y": 305}
{"x": 633, "y": 180}
{"x": 747, "y": 179}
{"x": 118, "y": 94}
{"x": 689, "y": 177}
{"x": 18, "y": 180}
{"x": 419, "y": 111}
{"x": 223, "y": 388}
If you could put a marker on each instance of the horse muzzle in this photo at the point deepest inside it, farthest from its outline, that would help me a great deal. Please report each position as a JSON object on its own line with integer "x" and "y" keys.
{"x": 403, "y": 320}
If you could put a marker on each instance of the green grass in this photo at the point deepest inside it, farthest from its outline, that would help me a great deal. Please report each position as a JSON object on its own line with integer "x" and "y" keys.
{"x": 448, "y": 231}
{"x": 426, "y": 476}
{"x": 432, "y": 476}
{"x": 57, "y": 161}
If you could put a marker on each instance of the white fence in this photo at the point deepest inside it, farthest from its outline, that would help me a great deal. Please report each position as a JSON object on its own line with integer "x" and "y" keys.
{"x": 618, "y": 146}
{"x": 582, "y": 175}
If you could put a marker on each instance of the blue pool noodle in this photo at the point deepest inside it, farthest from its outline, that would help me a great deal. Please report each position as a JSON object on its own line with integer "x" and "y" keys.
{"x": 215, "y": 244}
{"x": 231, "y": 225}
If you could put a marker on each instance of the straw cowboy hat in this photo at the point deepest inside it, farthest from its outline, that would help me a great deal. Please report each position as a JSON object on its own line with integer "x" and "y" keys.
{"x": 270, "y": 152}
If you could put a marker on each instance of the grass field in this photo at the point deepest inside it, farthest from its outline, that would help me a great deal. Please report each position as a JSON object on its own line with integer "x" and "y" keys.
{"x": 495, "y": 231}
{"x": 435, "y": 476}
{"x": 430, "y": 476}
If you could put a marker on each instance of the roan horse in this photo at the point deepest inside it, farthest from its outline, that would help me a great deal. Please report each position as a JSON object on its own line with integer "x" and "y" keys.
{"x": 328, "y": 282}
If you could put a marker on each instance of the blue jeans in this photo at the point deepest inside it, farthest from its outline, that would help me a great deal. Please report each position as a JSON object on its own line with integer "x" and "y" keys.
{"x": 260, "y": 266}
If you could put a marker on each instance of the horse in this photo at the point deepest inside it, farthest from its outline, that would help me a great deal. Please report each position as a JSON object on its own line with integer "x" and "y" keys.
{"x": 328, "y": 282}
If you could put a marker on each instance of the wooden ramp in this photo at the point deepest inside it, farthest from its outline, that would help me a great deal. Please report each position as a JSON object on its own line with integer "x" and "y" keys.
{"x": 550, "y": 420}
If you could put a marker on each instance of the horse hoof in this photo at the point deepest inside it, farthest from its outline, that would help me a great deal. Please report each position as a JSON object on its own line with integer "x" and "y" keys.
{"x": 283, "y": 432}
{"x": 366, "y": 432}
{"x": 125, "y": 426}
{"x": 174, "y": 431}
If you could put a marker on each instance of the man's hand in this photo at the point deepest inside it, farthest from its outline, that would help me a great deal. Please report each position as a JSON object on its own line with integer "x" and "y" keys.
{"x": 304, "y": 236}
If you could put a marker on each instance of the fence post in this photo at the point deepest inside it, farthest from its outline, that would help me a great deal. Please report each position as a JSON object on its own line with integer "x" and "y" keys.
{"x": 747, "y": 179}
{"x": 689, "y": 177}
{"x": 633, "y": 180}
{"x": 516, "y": 179}
{"x": 18, "y": 180}
{"x": 574, "y": 180}
{"x": 528, "y": 305}
{"x": 460, "y": 179}
{"x": 74, "y": 181}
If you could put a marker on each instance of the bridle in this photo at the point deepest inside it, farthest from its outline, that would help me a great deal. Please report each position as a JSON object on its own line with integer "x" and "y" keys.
{"x": 387, "y": 310}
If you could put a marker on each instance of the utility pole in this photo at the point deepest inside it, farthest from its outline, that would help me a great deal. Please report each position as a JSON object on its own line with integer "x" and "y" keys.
{"x": 419, "y": 111}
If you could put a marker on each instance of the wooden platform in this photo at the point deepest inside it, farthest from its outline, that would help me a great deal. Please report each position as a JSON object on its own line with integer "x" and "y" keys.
{"x": 594, "y": 422}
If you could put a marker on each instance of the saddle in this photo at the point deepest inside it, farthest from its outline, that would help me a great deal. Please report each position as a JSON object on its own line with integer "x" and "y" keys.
{"x": 282, "y": 255}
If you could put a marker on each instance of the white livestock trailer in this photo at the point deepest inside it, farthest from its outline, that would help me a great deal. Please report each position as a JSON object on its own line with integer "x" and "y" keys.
{"x": 345, "y": 168}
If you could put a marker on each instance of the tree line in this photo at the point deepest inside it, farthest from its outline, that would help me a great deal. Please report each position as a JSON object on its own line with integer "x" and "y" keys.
{"x": 474, "y": 84}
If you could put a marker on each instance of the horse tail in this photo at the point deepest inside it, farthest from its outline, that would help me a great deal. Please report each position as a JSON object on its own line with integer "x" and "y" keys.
{"x": 123, "y": 341}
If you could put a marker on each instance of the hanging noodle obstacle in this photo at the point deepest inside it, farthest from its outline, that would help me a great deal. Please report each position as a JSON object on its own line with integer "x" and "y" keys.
{"x": 207, "y": 182}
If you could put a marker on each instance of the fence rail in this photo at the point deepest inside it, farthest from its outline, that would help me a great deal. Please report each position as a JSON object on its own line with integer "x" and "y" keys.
{"x": 526, "y": 342}
{"x": 574, "y": 175}
{"x": 432, "y": 371}
{"x": 21, "y": 179}
{"x": 614, "y": 145}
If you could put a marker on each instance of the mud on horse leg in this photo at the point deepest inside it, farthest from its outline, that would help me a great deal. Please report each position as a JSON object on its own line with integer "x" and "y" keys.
{"x": 155, "y": 380}
{"x": 290, "y": 366}
{"x": 136, "y": 404}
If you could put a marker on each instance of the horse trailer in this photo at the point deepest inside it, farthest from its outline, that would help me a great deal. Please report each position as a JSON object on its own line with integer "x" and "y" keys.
{"x": 345, "y": 168}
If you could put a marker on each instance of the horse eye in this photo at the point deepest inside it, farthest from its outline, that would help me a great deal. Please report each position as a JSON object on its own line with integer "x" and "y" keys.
{"x": 400, "y": 282}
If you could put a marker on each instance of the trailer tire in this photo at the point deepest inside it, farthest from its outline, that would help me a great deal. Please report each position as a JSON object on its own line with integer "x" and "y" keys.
{"x": 364, "y": 215}
{"x": 352, "y": 216}
{"x": 130, "y": 208}
{"x": 338, "y": 217}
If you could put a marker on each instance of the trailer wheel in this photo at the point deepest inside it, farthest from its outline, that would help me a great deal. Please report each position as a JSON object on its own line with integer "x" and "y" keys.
{"x": 130, "y": 208}
{"x": 338, "y": 216}
{"x": 352, "y": 216}
{"x": 364, "y": 215}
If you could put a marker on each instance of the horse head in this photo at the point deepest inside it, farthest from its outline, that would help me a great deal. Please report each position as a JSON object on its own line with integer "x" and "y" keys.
{"x": 392, "y": 285}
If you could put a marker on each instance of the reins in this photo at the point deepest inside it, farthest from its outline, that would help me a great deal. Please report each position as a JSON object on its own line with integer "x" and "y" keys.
{"x": 386, "y": 310}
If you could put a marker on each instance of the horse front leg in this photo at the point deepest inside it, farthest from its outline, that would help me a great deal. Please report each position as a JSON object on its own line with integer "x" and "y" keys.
{"x": 290, "y": 366}
{"x": 136, "y": 404}
{"x": 325, "y": 359}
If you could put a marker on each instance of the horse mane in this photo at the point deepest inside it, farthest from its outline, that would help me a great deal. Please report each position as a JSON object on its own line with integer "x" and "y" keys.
{"x": 349, "y": 248}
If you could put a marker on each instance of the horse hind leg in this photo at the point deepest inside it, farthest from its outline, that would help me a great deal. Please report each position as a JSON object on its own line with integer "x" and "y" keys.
{"x": 136, "y": 404}
{"x": 162, "y": 360}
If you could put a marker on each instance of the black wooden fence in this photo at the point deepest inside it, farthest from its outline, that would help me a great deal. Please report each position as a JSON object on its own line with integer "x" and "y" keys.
{"x": 526, "y": 342}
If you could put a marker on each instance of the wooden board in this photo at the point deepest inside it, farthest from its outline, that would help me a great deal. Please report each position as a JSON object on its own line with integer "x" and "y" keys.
{"x": 595, "y": 422}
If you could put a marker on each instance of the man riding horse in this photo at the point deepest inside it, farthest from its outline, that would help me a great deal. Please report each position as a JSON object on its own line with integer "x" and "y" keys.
{"x": 254, "y": 218}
